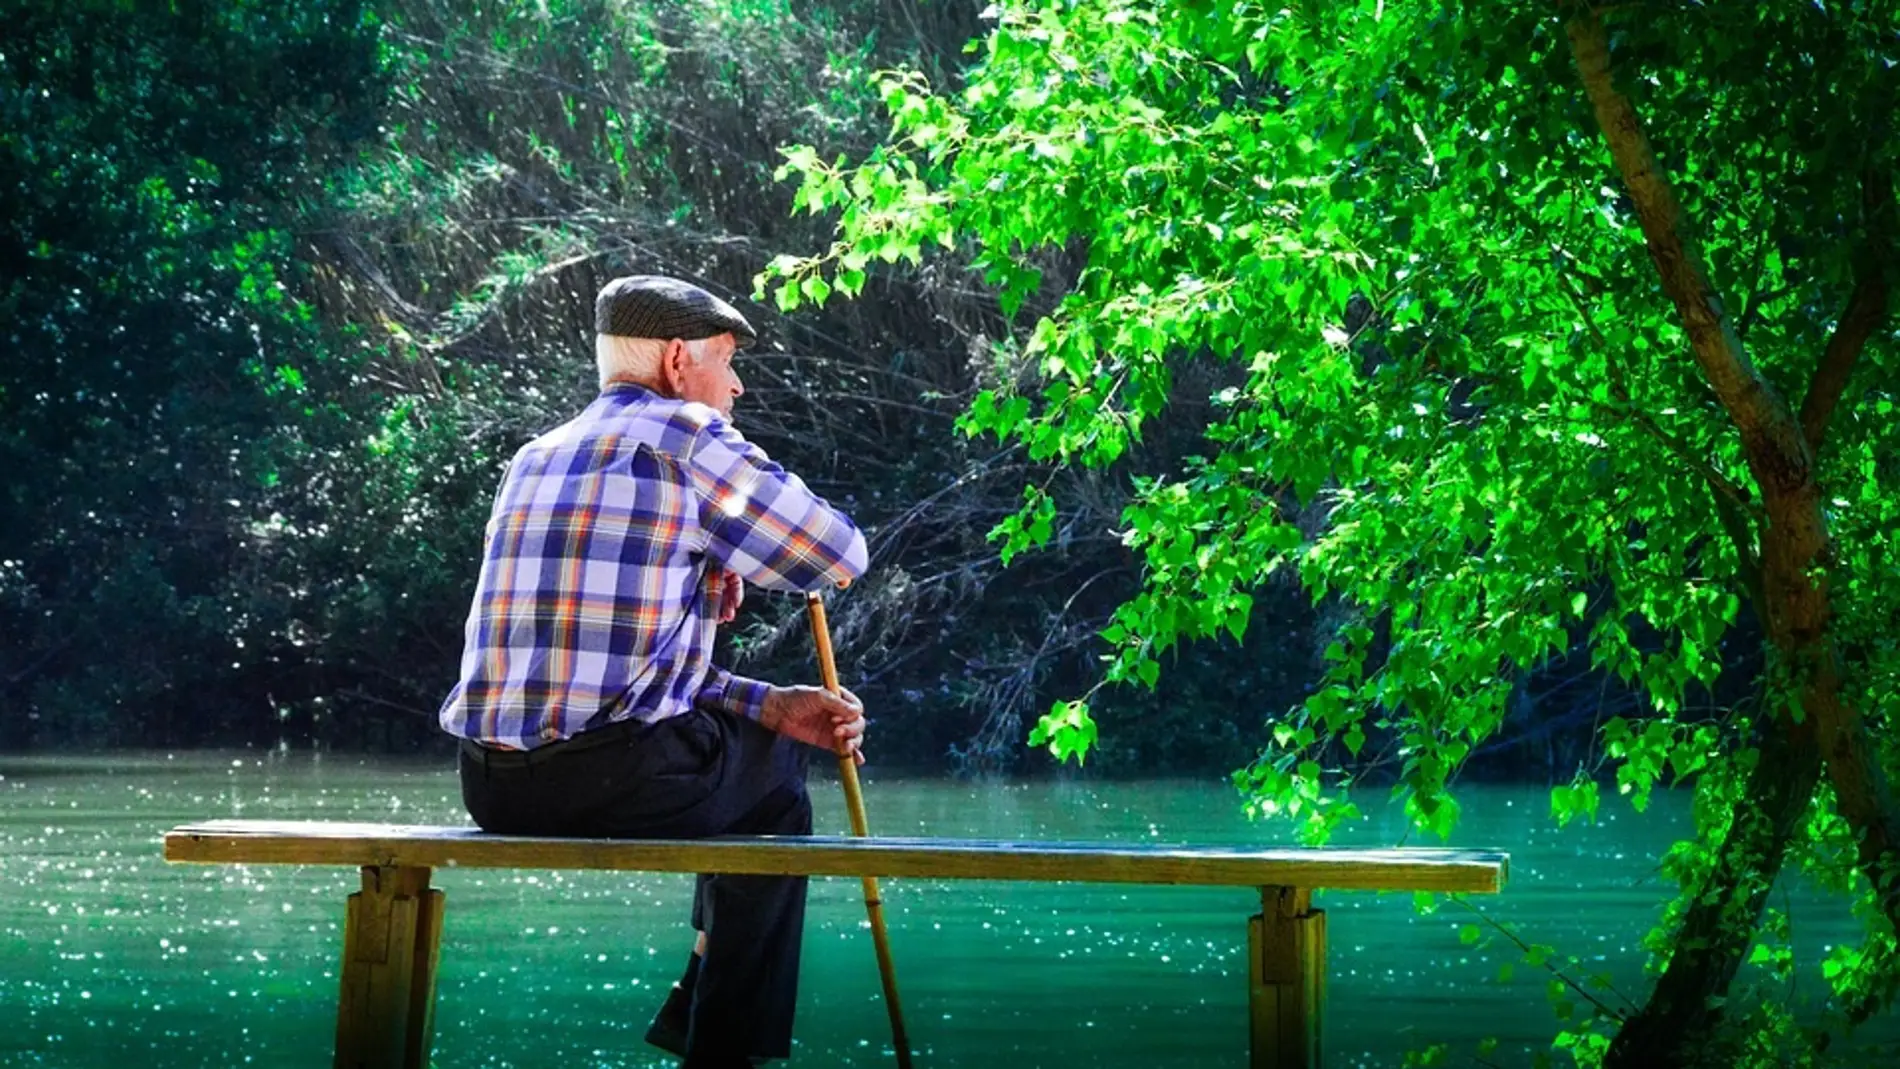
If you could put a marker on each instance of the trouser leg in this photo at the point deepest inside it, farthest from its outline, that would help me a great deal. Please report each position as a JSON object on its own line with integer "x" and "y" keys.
{"x": 693, "y": 776}
{"x": 747, "y": 989}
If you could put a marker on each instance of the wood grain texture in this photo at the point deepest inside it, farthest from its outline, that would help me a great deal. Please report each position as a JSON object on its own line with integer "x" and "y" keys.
{"x": 428, "y": 964}
{"x": 391, "y": 945}
{"x": 323, "y": 843}
{"x": 1286, "y": 968}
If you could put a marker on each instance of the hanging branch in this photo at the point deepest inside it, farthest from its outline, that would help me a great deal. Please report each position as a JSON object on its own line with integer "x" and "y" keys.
{"x": 1866, "y": 309}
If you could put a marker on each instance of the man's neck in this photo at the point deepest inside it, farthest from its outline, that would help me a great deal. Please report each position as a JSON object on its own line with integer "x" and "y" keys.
{"x": 628, "y": 380}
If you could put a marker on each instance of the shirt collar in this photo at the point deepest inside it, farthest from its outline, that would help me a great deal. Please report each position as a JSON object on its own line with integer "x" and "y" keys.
{"x": 631, "y": 390}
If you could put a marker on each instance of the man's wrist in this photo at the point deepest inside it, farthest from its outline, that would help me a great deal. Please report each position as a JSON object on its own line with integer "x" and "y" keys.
{"x": 733, "y": 694}
{"x": 771, "y": 708}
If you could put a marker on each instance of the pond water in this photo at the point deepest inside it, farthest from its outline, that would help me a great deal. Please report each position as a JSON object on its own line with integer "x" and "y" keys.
{"x": 109, "y": 957}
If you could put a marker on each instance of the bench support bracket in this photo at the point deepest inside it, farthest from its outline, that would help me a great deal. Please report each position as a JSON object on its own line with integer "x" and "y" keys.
{"x": 1286, "y": 979}
{"x": 392, "y": 939}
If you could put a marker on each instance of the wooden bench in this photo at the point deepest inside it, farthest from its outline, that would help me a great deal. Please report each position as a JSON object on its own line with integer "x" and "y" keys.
{"x": 393, "y": 928}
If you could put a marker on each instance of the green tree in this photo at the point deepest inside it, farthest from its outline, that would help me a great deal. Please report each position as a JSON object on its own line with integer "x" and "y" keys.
{"x": 1571, "y": 324}
{"x": 531, "y": 150}
{"x": 152, "y": 160}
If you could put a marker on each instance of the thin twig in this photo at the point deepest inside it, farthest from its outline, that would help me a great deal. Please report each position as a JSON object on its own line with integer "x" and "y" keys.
{"x": 1548, "y": 966}
{"x": 1626, "y": 409}
{"x": 362, "y": 695}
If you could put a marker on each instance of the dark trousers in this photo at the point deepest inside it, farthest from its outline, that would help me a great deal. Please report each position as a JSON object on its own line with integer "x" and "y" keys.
{"x": 694, "y": 775}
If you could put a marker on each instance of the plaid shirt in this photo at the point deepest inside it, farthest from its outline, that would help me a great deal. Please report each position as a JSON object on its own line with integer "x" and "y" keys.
{"x": 603, "y": 564}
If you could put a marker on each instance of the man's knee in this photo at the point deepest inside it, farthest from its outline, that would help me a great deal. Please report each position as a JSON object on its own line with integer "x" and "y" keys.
{"x": 796, "y": 817}
{"x": 785, "y": 811}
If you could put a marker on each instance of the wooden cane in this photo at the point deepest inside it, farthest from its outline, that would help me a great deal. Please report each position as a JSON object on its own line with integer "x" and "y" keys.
{"x": 854, "y": 801}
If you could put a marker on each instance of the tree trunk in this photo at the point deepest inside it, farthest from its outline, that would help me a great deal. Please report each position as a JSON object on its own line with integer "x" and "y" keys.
{"x": 1805, "y": 705}
{"x": 1676, "y": 1024}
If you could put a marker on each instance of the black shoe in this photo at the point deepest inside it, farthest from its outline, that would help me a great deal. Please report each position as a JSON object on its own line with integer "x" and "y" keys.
{"x": 670, "y": 1025}
{"x": 668, "y": 1030}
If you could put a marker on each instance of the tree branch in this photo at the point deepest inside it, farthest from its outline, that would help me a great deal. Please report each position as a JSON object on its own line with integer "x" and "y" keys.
{"x": 33, "y": 669}
{"x": 1751, "y": 308}
{"x": 1718, "y": 482}
{"x": 1809, "y": 676}
{"x": 1625, "y": 409}
{"x": 1866, "y": 310}
{"x": 1777, "y": 453}
{"x": 1602, "y": 1007}
{"x": 365, "y": 696}
{"x": 1741, "y": 536}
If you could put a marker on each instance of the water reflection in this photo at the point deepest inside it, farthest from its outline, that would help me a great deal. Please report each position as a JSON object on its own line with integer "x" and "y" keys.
{"x": 112, "y": 956}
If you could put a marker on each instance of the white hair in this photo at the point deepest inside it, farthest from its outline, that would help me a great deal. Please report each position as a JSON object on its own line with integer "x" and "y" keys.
{"x": 637, "y": 359}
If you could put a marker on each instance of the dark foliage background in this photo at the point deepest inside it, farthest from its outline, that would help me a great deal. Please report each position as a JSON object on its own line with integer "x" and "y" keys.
{"x": 285, "y": 285}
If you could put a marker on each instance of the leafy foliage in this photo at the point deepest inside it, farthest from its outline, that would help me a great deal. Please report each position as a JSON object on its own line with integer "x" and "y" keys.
{"x": 256, "y": 518}
{"x": 1322, "y": 354}
{"x": 1401, "y": 223}
{"x": 151, "y": 162}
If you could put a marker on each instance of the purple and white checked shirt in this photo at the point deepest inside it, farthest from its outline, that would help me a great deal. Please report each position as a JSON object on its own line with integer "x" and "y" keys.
{"x": 601, "y": 570}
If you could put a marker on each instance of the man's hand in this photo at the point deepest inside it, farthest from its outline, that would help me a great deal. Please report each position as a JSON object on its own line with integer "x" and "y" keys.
{"x": 814, "y": 716}
{"x": 731, "y": 594}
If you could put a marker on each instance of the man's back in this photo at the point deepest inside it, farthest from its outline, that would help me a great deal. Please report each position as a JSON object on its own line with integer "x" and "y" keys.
{"x": 607, "y": 541}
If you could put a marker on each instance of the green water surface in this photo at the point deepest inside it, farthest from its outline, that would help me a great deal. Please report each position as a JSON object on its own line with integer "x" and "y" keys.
{"x": 109, "y": 957}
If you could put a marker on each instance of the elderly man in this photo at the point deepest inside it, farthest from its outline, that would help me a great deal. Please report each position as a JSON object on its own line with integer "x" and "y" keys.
{"x": 588, "y": 703}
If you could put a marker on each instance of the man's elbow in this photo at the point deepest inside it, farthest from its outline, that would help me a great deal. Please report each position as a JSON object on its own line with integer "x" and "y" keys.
{"x": 856, "y": 559}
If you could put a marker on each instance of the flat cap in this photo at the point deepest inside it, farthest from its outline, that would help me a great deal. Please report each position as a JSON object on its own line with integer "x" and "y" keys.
{"x": 654, "y": 306}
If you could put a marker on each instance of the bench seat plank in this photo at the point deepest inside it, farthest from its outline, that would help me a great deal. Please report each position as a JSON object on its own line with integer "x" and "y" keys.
{"x": 331, "y": 843}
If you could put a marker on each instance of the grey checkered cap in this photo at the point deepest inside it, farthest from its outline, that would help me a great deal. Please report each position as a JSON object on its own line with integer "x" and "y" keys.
{"x": 654, "y": 306}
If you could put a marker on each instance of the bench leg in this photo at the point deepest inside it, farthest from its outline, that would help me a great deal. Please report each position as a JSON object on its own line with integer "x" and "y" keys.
{"x": 1286, "y": 979}
{"x": 392, "y": 940}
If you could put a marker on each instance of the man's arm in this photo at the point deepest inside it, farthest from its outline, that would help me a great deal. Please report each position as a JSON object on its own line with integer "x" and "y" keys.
{"x": 811, "y": 715}
{"x": 732, "y": 693}
{"x": 764, "y": 523}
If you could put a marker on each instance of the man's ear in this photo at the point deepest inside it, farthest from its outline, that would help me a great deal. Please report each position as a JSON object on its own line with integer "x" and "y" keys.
{"x": 673, "y": 360}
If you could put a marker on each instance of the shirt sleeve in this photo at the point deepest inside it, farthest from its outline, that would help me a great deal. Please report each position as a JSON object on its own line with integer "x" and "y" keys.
{"x": 732, "y": 693}
{"x": 763, "y": 523}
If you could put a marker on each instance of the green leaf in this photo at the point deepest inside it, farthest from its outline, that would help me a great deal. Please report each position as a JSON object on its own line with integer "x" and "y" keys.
{"x": 1393, "y": 295}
